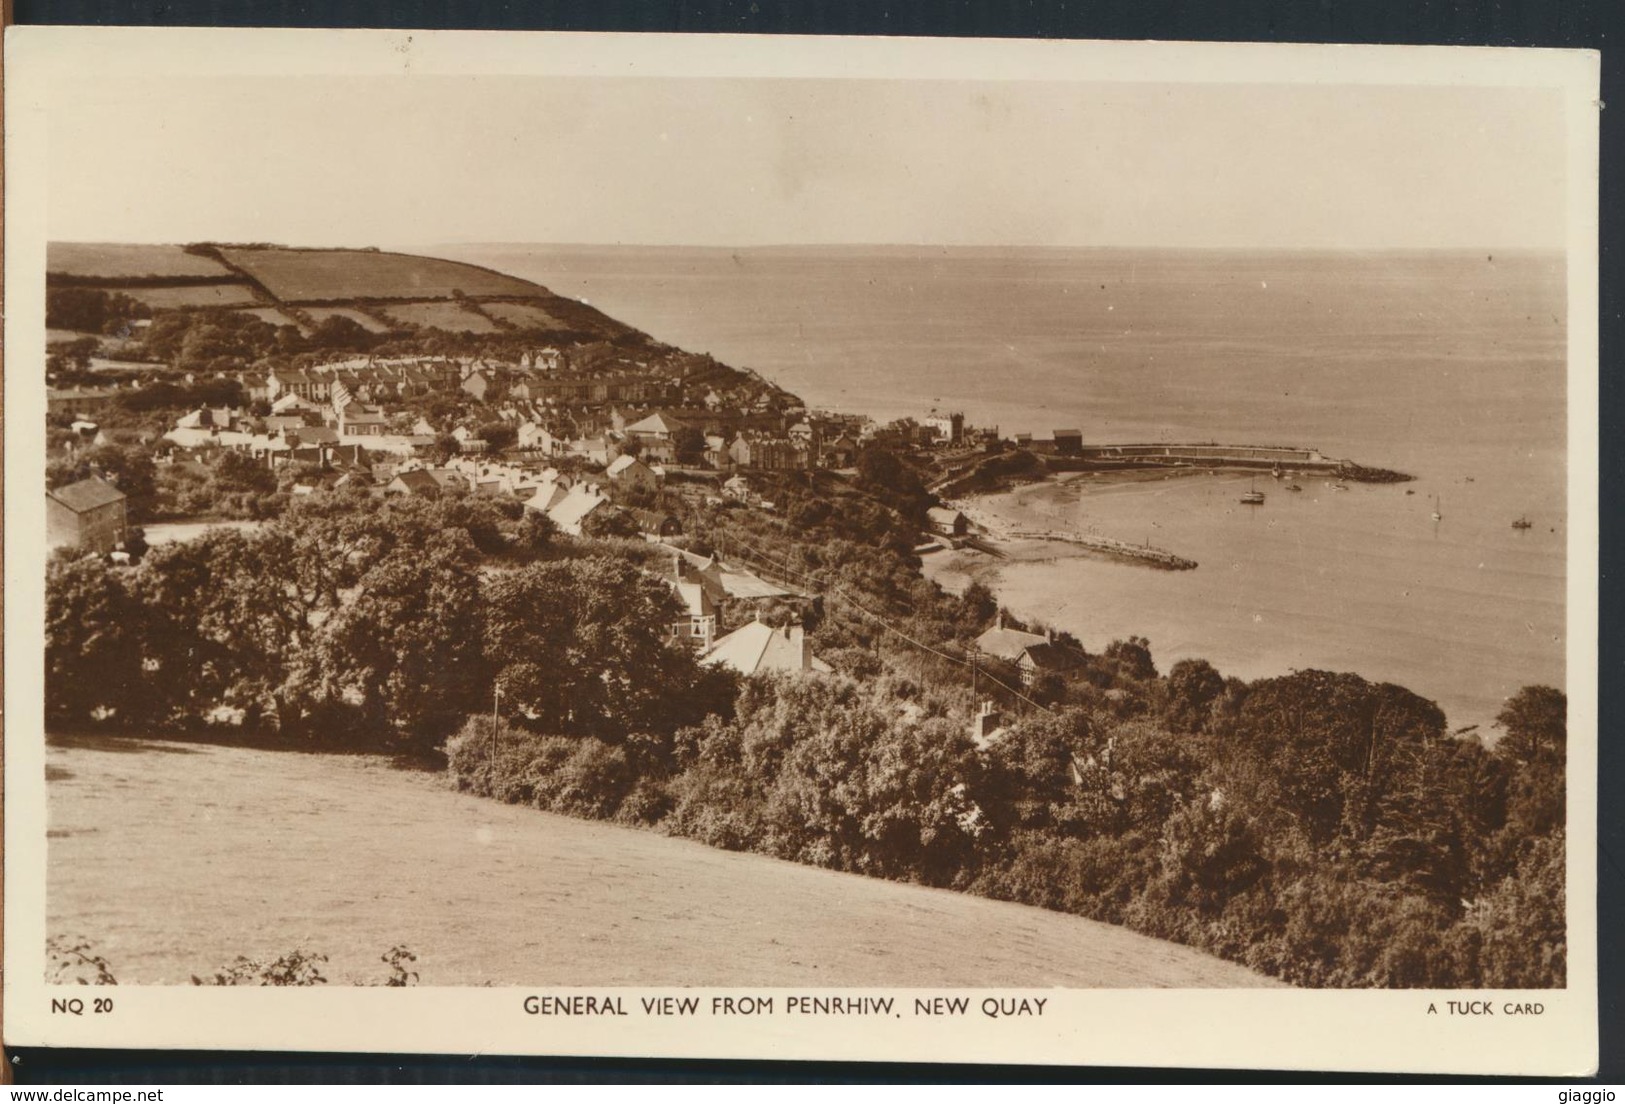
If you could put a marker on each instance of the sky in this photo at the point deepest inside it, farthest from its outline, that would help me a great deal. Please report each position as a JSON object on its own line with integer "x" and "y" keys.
{"x": 402, "y": 161}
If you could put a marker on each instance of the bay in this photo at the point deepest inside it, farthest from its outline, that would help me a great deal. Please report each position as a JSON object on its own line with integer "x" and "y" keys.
{"x": 1449, "y": 366}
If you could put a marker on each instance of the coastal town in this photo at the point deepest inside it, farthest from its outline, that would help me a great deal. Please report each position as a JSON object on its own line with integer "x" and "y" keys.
{"x": 596, "y": 453}
{"x": 559, "y": 564}
{"x": 589, "y": 443}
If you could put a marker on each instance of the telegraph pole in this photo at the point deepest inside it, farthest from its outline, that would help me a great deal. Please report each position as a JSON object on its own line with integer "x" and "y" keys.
{"x": 496, "y": 698}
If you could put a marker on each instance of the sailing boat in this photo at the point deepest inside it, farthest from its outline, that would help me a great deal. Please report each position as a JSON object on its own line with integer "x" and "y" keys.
{"x": 1438, "y": 509}
{"x": 1522, "y": 523}
{"x": 1253, "y": 497}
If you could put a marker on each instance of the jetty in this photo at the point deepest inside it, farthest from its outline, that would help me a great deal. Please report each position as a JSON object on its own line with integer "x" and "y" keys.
{"x": 1146, "y": 554}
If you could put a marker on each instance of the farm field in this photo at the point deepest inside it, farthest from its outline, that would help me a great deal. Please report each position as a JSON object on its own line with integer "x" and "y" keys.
{"x": 272, "y": 315}
{"x": 360, "y": 318}
{"x": 314, "y": 276}
{"x": 526, "y": 316}
{"x": 108, "y": 261}
{"x": 444, "y": 315}
{"x": 197, "y": 295}
{"x": 172, "y": 858}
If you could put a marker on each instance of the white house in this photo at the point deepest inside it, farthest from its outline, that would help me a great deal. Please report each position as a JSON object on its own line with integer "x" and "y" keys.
{"x": 572, "y": 510}
{"x": 760, "y": 647}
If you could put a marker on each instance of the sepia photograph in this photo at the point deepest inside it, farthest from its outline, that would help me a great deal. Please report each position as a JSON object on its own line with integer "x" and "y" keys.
{"x": 762, "y": 533}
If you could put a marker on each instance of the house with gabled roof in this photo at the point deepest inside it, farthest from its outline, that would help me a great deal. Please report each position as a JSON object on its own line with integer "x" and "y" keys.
{"x": 417, "y": 482}
{"x": 758, "y": 646}
{"x": 206, "y": 417}
{"x": 356, "y": 420}
{"x": 90, "y": 514}
{"x": 701, "y": 615}
{"x": 948, "y": 522}
{"x": 657, "y": 524}
{"x": 477, "y": 383}
{"x": 547, "y": 495}
{"x": 842, "y": 452}
{"x": 1032, "y": 653}
{"x": 572, "y": 510}
{"x": 290, "y": 403}
{"x": 632, "y": 473}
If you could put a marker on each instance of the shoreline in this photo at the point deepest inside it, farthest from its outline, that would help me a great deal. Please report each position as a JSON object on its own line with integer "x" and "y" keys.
{"x": 1244, "y": 610}
{"x": 1025, "y": 543}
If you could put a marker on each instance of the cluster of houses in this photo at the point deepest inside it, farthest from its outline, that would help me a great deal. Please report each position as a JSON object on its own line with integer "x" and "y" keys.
{"x": 713, "y": 594}
{"x": 567, "y": 500}
{"x": 330, "y": 412}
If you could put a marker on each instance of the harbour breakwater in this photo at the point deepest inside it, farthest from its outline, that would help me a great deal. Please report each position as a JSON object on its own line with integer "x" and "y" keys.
{"x": 1030, "y": 464}
{"x": 1214, "y": 455}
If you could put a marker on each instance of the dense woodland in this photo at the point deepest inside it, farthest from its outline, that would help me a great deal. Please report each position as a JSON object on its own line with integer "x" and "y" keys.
{"x": 1320, "y": 828}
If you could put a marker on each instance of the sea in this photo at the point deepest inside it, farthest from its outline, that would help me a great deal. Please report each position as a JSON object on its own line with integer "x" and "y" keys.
{"x": 1450, "y": 366}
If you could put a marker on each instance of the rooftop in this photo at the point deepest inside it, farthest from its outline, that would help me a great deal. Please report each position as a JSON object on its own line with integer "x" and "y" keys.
{"x": 87, "y": 494}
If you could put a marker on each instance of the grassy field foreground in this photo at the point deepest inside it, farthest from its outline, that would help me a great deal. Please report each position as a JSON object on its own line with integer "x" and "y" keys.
{"x": 173, "y": 858}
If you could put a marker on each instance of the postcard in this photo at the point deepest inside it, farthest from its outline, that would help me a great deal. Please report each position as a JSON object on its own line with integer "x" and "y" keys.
{"x": 847, "y": 549}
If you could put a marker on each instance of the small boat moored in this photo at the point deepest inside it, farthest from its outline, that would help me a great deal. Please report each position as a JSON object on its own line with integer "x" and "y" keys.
{"x": 1523, "y": 523}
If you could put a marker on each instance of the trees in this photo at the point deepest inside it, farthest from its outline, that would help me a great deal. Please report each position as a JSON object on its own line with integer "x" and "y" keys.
{"x": 92, "y": 643}
{"x": 409, "y": 641}
{"x": 609, "y": 523}
{"x": 884, "y": 474}
{"x": 1535, "y": 723}
{"x": 130, "y": 468}
{"x": 90, "y": 310}
{"x": 979, "y": 604}
{"x": 536, "y": 532}
{"x": 1026, "y": 775}
{"x": 366, "y": 618}
{"x": 339, "y": 332}
{"x": 1133, "y": 658}
{"x": 497, "y": 435}
{"x": 1515, "y": 936}
{"x": 1193, "y": 687}
{"x": 236, "y": 471}
{"x": 688, "y": 445}
{"x": 1533, "y": 753}
{"x": 580, "y": 647}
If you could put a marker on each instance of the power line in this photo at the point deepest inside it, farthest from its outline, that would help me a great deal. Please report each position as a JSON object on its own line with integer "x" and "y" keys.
{"x": 789, "y": 572}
